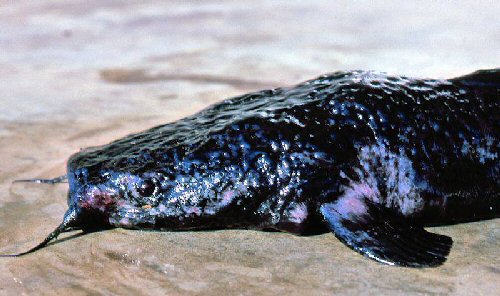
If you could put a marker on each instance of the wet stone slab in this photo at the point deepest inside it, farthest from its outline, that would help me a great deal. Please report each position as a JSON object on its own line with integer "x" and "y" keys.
{"x": 83, "y": 73}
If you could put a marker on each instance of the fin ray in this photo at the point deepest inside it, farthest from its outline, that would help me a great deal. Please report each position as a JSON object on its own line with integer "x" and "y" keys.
{"x": 378, "y": 233}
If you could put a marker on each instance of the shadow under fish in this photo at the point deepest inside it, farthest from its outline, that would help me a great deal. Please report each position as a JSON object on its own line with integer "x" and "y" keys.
{"x": 370, "y": 157}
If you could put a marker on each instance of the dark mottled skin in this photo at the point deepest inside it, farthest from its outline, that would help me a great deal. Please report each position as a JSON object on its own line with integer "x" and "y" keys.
{"x": 278, "y": 147}
{"x": 425, "y": 150}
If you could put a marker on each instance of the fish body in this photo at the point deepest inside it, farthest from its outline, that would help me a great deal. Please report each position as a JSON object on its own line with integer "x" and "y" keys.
{"x": 371, "y": 157}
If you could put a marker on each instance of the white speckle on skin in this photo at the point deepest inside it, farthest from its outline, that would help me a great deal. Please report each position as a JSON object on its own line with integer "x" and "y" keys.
{"x": 482, "y": 150}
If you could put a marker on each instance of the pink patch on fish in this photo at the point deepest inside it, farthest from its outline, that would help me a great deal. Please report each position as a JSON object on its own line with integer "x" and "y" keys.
{"x": 227, "y": 197}
{"x": 193, "y": 210}
{"x": 124, "y": 222}
{"x": 350, "y": 205}
{"x": 351, "y": 202}
{"x": 298, "y": 213}
{"x": 98, "y": 199}
{"x": 360, "y": 190}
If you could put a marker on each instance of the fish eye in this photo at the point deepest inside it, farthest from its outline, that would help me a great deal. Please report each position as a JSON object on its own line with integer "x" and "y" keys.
{"x": 148, "y": 187}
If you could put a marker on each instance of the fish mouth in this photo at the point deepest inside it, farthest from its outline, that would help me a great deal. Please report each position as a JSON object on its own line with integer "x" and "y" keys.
{"x": 92, "y": 208}
{"x": 93, "y": 202}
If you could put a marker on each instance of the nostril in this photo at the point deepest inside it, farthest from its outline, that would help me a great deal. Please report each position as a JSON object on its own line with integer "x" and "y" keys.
{"x": 81, "y": 175}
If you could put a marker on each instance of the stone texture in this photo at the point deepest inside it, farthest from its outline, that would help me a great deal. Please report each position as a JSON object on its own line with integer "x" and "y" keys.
{"x": 82, "y": 73}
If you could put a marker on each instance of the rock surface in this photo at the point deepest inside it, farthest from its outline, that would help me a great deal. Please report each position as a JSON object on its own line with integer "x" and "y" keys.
{"x": 82, "y": 73}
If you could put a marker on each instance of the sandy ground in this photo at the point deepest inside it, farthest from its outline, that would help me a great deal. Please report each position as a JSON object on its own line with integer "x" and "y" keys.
{"x": 82, "y": 73}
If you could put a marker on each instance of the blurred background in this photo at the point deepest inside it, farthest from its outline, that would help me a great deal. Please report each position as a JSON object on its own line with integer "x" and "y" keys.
{"x": 82, "y": 73}
{"x": 67, "y": 58}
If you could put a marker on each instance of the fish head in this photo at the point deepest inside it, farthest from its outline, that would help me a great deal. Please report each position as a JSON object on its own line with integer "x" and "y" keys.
{"x": 115, "y": 192}
{"x": 135, "y": 190}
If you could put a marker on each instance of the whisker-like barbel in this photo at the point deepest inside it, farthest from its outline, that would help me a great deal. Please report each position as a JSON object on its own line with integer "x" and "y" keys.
{"x": 60, "y": 179}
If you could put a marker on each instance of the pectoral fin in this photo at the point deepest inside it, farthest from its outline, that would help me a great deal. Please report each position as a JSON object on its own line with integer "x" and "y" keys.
{"x": 380, "y": 234}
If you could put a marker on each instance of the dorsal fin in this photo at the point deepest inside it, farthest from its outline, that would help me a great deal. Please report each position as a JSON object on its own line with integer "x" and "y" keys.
{"x": 487, "y": 77}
